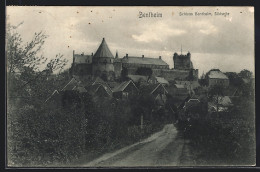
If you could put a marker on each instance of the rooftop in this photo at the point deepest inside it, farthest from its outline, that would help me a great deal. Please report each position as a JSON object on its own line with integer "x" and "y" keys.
{"x": 81, "y": 58}
{"x": 123, "y": 85}
{"x": 217, "y": 75}
{"x": 143, "y": 60}
{"x": 103, "y": 50}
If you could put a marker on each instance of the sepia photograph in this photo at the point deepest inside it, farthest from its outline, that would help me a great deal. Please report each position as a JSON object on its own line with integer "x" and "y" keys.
{"x": 130, "y": 86}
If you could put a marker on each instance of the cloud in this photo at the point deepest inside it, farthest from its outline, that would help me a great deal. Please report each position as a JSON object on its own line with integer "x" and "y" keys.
{"x": 220, "y": 41}
{"x": 157, "y": 32}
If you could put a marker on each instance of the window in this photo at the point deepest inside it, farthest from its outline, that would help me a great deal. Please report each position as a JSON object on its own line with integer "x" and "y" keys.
{"x": 125, "y": 95}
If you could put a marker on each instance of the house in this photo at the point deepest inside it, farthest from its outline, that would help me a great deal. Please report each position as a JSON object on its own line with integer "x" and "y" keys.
{"x": 177, "y": 90}
{"x": 80, "y": 89}
{"x": 125, "y": 90}
{"x": 99, "y": 90}
{"x": 98, "y": 80}
{"x": 138, "y": 79}
{"x": 72, "y": 84}
{"x": 193, "y": 107}
{"x": 220, "y": 104}
{"x": 158, "y": 91}
{"x": 162, "y": 81}
{"x": 216, "y": 77}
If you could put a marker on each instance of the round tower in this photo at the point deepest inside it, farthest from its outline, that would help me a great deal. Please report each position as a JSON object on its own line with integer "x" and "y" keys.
{"x": 103, "y": 62}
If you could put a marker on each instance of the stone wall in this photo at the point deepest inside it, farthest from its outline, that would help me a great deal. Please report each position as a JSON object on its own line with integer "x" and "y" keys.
{"x": 182, "y": 61}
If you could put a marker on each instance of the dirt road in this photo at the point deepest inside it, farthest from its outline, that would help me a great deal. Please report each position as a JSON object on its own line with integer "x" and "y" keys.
{"x": 165, "y": 148}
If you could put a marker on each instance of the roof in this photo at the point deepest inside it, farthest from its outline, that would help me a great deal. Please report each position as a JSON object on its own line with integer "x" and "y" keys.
{"x": 80, "y": 58}
{"x": 117, "y": 60}
{"x": 144, "y": 60}
{"x": 162, "y": 80}
{"x": 98, "y": 80}
{"x": 103, "y": 50}
{"x": 217, "y": 75}
{"x": 80, "y": 89}
{"x": 137, "y": 78}
{"x": 192, "y": 84}
{"x": 72, "y": 84}
{"x": 94, "y": 88}
{"x": 53, "y": 94}
{"x": 152, "y": 87}
{"x": 224, "y": 101}
{"x": 123, "y": 85}
{"x": 179, "y": 86}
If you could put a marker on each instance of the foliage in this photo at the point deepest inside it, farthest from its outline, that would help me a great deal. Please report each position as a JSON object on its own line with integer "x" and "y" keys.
{"x": 223, "y": 138}
{"x": 144, "y": 71}
{"x": 245, "y": 74}
{"x": 124, "y": 74}
{"x": 42, "y": 135}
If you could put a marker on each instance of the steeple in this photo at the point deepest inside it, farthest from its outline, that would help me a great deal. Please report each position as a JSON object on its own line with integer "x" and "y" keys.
{"x": 103, "y": 50}
{"x": 116, "y": 54}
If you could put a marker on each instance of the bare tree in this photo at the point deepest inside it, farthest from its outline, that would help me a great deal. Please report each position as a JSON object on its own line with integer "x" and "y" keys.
{"x": 26, "y": 60}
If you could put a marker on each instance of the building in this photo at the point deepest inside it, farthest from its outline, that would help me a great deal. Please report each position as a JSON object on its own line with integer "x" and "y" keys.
{"x": 125, "y": 90}
{"x": 103, "y": 64}
{"x": 216, "y": 77}
{"x": 182, "y": 62}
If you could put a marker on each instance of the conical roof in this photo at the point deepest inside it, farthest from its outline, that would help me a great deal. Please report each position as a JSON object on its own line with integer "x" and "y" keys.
{"x": 103, "y": 50}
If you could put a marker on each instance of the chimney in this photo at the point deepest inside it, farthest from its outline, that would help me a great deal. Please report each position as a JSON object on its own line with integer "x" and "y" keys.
{"x": 126, "y": 55}
{"x": 160, "y": 57}
{"x": 142, "y": 56}
{"x": 92, "y": 54}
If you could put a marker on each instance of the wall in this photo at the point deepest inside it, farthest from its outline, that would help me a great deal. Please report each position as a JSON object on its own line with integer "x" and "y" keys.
{"x": 100, "y": 67}
{"x": 215, "y": 81}
{"x": 82, "y": 69}
{"x": 182, "y": 61}
{"x": 118, "y": 69}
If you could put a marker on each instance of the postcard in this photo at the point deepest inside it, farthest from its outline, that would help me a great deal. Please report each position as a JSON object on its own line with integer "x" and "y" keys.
{"x": 121, "y": 86}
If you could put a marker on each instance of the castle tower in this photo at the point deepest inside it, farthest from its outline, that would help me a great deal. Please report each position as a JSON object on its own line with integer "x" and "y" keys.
{"x": 182, "y": 62}
{"x": 102, "y": 63}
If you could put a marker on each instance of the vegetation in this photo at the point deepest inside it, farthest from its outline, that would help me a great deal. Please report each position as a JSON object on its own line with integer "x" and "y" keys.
{"x": 70, "y": 124}
{"x": 222, "y": 138}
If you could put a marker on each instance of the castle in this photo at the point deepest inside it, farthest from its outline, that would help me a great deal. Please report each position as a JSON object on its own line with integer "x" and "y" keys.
{"x": 103, "y": 64}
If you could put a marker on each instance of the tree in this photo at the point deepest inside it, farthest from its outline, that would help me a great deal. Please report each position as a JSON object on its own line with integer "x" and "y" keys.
{"x": 234, "y": 79}
{"x": 216, "y": 94}
{"x": 24, "y": 62}
{"x": 144, "y": 71}
{"x": 245, "y": 74}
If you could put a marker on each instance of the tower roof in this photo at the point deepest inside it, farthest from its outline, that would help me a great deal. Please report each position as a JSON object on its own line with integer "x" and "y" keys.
{"x": 103, "y": 50}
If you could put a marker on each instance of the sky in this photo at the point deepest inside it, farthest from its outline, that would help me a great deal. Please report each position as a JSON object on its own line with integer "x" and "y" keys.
{"x": 214, "y": 41}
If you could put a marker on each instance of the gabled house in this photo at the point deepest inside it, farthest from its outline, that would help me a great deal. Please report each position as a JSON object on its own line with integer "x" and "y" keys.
{"x": 216, "y": 77}
{"x": 72, "y": 84}
{"x": 138, "y": 79}
{"x": 99, "y": 90}
{"x": 158, "y": 80}
{"x": 158, "y": 91}
{"x": 193, "y": 107}
{"x": 125, "y": 90}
